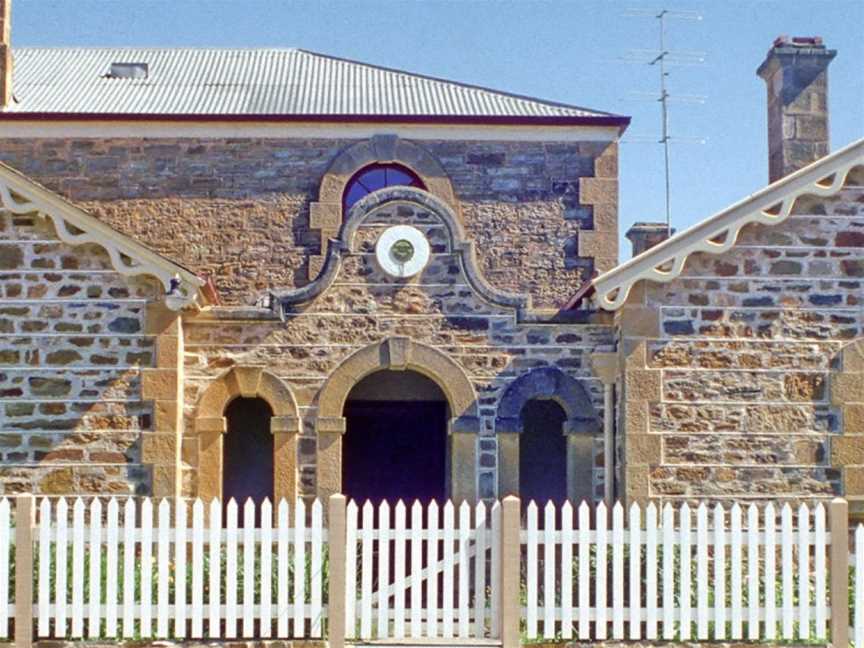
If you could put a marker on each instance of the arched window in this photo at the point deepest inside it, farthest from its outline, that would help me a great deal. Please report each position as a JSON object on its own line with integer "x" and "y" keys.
{"x": 247, "y": 459}
{"x": 543, "y": 453}
{"x": 377, "y": 176}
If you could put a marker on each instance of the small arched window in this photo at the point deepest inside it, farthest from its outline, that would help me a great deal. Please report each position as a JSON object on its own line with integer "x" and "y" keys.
{"x": 377, "y": 176}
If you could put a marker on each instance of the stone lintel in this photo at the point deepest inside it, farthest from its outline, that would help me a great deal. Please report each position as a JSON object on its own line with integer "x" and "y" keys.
{"x": 330, "y": 424}
{"x": 285, "y": 424}
{"x": 213, "y": 424}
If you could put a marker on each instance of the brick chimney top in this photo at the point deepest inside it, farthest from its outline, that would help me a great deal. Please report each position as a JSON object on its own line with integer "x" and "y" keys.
{"x": 644, "y": 236}
{"x": 795, "y": 71}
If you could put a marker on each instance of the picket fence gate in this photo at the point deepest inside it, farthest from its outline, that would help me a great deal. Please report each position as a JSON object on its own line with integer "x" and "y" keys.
{"x": 426, "y": 574}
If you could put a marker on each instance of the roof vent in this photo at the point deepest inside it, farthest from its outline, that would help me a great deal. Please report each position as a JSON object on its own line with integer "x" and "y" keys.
{"x": 129, "y": 71}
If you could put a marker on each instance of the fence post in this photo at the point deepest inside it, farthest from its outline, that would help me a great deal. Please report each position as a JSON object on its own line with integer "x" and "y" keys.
{"x": 336, "y": 543}
{"x": 510, "y": 572}
{"x": 839, "y": 570}
{"x": 24, "y": 511}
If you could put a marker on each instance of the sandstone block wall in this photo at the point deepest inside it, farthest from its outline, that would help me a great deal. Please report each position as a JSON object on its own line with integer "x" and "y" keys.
{"x": 731, "y": 379}
{"x": 72, "y": 345}
{"x": 363, "y": 306}
{"x": 544, "y": 215}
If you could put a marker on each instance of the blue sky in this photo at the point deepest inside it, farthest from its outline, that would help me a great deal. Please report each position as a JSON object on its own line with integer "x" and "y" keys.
{"x": 564, "y": 50}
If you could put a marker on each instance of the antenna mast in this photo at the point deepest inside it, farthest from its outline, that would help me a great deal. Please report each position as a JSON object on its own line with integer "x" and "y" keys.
{"x": 661, "y": 58}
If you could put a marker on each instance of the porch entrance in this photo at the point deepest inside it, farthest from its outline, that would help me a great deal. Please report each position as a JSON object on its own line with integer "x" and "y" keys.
{"x": 395, "y": 443}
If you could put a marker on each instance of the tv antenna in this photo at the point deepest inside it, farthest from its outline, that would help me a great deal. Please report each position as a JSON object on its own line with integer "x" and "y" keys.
{"x": 662, "y": 58}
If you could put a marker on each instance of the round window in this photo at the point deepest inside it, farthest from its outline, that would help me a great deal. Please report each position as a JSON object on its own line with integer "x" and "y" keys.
{"x": 402, "y": 251}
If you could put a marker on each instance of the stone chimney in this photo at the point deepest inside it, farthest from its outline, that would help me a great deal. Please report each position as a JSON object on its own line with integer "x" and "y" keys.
{"x": 644, "y": 236}
{"x": 5, "y": 53}
{"x": 796, "y": 73}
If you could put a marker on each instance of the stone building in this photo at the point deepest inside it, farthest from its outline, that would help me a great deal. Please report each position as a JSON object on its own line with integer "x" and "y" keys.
{"x": 273, "y": 272}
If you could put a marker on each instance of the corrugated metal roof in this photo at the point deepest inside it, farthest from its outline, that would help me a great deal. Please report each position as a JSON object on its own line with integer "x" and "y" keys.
{"x": 249, "y": 82}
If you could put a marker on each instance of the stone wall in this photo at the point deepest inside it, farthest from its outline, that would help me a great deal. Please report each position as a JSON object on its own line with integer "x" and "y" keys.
{"x": 363, "y": 306}
{"x": 239, "y": 208}
{"x": 72, "y": 345}
{"x": 729, "y": 370}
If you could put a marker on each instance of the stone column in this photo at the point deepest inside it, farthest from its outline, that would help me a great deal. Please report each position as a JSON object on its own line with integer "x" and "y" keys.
{"x": 507, "y": 432}
{"x": 209, "y": 432}
{"x": 847, "y": 449}
{"x": 328, "y": 471}
{"x": 463, "y": 459}
{"x": 605, "y": 366}
{"x": 285, "y": 430}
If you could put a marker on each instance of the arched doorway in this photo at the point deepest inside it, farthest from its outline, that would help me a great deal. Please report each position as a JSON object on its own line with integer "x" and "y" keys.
{"x": 395, "y": 444}
{"x": 543, "y": 453}
{"x": 247, "y": 451}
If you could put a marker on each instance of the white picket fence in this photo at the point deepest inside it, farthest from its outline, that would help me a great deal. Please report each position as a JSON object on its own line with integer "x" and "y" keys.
{"x": 669, "y": 576}
{"x": 144, "y": 569}
{"x": 167, "y": 578}
{"x": 436, "y": 577}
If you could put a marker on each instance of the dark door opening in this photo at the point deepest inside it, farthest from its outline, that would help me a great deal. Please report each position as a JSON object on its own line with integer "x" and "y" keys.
{"x": 247, "y": 452}
{"x": 543, "y": 454}
{"x": 395, "y": 449}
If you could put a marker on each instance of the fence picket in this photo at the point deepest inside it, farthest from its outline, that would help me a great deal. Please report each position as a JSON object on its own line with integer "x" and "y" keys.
{"x": 350, "y": 568}
{"x": 859, "y": 586}
{"x": 495, "y": 571}
{"x": 668, "y": 572}
{"x": 464, "y": 575}
{"x": 5, "y": 531}
{"x": 266, "y": 622}
{"x": 248, "y": 566}
{"x": 317, "y": 568}
{"x": 804, "y": 572}
{"x": 736, "y": 567}
{"x": 432, "y": 581}
{"x": 416, "y": 569}
{"x": 282, "y": 602}
{"x": 819, "y": 571}
{"x": 128, "y": 568}
{"x": 366, "y": 572}
{"x": 584, "y": 571}
{"x": 635, "y": 572}
{"x": 60, "y": 570}
{"x": 181, "y": 576}
{"x": 618, "y": 571}
{"x": 77, "y": 630}
{"x": 602, "y": 544}
{"x": 685, "y": 562}
{"x": 94, "y": 621}
{"x": 651, "y": 572}
{"x": 531, "y": 572}
{"x": 111, "y": 565}
{"x": 702, "y": 582}
{"x": 146, "y": 585}
{"x": 384, "y": 522}
{"x": 215, "y": 559}
{"x": 753, "y": 572}
{"x": 787, "y": 542}
{"x": 447, "y": 583}
{"x": 480, "y": 544}
{"x": 231, "y": 570}
{"x": 719, "y": 572}
{"x": 770, "y": 574}
{"x": 197, "y": 630}
{"x": 399, "y": 556}
{"x": 44, "y": 582}
{"x": 163, "y": 574}
{"x": 549, "y": 571}
{"x": 566, "y": 571}
{"x": 300, "y": 567}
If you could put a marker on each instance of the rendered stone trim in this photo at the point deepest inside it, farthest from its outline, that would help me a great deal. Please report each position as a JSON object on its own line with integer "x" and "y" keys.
{"x": 163, "y": 384}
{"x": 21, "y": 195}
{"x": 718, "y": 234}
{"x": 327, "y": 215}
{"x": 247, "y": 381}
{"x": 338, "y": 248}
{"x": 400, "y": 354}
{"x": 847, "y": 449}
